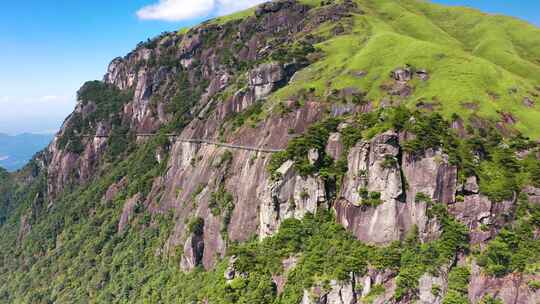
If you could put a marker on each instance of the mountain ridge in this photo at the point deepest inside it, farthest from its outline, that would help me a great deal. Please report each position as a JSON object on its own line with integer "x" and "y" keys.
{"x": 388, "y": 184}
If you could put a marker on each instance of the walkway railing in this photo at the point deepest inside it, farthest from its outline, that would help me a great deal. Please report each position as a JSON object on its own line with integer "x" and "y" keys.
{"x": 201, "y": 141}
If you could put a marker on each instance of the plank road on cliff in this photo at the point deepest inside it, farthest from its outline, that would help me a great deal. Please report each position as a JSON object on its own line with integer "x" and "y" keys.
{"x": 201, "y": 141}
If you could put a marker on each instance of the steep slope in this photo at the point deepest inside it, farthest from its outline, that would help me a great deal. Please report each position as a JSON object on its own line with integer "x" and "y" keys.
{"x": 298, "y": 152}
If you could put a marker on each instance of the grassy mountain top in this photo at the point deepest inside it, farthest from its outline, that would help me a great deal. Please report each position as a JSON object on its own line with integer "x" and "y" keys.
{"x": 71, "y": 248}
{"x": 478, "y": 64}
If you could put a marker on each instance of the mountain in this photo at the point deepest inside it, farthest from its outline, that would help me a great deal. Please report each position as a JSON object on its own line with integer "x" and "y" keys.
{"x": 302, "y": 151}
{"x": 17, "y": 150}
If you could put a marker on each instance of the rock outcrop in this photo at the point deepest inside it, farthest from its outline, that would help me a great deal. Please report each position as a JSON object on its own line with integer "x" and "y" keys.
{"x": 262, "y": 80}
{"x": 512, "y": 288}
{"x": 371, "y": 172}
{"x": 426, "y": 286}
{"x": 128, "y": 212}
{"x": 193, "y": 252}
{"x": 338, "y": 293}
{"x": 186, "y": 84}
{"x": 380, "y": 166}
{"x": 290, "y": 196}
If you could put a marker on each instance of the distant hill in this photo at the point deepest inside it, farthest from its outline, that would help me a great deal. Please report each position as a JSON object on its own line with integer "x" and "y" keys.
{"x": 16, "y": 151}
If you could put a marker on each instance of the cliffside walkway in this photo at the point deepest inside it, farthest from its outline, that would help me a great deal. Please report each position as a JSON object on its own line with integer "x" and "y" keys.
{"x": 201, "y": 141}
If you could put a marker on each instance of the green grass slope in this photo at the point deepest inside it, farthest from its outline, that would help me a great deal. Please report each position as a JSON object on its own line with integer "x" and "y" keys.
{"x": 487, "y": 60}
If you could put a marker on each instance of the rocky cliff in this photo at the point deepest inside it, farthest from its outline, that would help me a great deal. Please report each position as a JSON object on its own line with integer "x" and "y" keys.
{"x": 283, "y": 156}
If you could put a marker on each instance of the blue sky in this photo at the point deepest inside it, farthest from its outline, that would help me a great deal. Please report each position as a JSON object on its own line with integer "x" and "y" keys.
{"x": 49, "y": 48}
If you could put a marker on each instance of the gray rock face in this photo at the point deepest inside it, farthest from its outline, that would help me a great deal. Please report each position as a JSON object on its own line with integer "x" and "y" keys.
{"x": 281, "y": 279}
{"x": 262, "y": 81}
{"x": 377, "y": 166}
{"x": 265, "y": 78}
{"x": 313, "y": 156}
{"x": 193, "y": 252}
{"x": 335, "y": 147}
{"x": 24, "y": 227}
{"x": 338, "y": 293}
{"x": 425, "y": 289}
{"x": 512, "y": 288}
{"x": 402, "y": 74}
{"x": 481, "y": 216}
{"x": 364, "y": 285}
{"x": 428, "y": 175}
{"x": 65, "y": 168}
{"x": 370, "y": 169}
{"x": 113, "y": 190}
{"x": 291, "y": 196}
{"x": 471, "y": 185}
{"x": 528, "y": 102}
{"x": 192, "y": 176}
{"x": 128, "y": 211}
{"x": 533, "y": 194}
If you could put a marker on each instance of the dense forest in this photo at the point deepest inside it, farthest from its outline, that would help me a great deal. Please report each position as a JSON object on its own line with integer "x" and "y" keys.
{"x": 346, "y": 151}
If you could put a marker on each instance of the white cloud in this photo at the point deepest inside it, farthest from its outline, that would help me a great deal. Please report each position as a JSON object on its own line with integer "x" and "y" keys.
{"x": 49, "y": 98}
{"x": 178, "y": 10}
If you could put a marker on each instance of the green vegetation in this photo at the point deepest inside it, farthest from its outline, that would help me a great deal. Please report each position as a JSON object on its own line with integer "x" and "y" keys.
{"x": 221, "y": 200}
{"x": 102, "y": 100}
{"x": 7, "y": 188}
{"x": 225, "y": 159}
{"x": 458, "y": 284}
{"x": 418, "y": 258}
{"x": 196, "y": 226}
{"x": 251, "y": 114}
{"x": 298, "y": 148}
{"x": 534, "y": 285}
{"x": 491, "y": 300}
{"x": 488, "y": 61}
{"x": 369, "y": 199}
{"x": 515, "y": 249}
{"x": 69, "y": 250}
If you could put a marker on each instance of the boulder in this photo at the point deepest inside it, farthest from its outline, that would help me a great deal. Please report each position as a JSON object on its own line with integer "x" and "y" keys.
{"x": 422, "y": 74}
{"x": 230, "y": 272}
{"x": 528, "y": 102}
{"x": 402, "y": 74}
{"x": 508, "y": 118}
{"x": 471, "y": 185}
{"x": 313, "y": 156}
{"x": 533, "y": 193}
